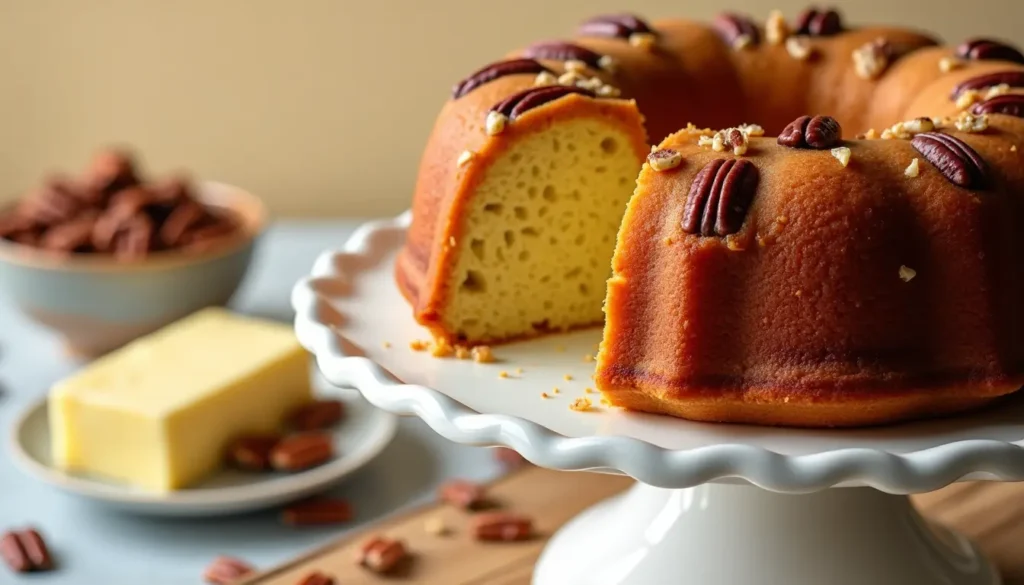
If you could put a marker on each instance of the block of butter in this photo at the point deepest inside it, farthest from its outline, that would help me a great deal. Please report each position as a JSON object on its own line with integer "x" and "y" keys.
{"x": 159, "y": 413}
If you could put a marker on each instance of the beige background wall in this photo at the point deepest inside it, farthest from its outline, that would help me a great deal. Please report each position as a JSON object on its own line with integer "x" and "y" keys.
{"x": 321, "y": 106}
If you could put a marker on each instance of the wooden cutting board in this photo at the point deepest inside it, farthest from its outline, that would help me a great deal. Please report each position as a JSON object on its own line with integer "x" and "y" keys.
{"x": 991, "y": 513}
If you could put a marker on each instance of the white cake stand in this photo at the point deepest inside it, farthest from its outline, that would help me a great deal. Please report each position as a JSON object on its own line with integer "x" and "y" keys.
{"x": 714, "y": 504}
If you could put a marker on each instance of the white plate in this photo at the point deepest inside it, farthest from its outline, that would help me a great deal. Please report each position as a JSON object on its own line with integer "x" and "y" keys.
{"x": 349, "y": 309}
{"x": 363, "y": 434}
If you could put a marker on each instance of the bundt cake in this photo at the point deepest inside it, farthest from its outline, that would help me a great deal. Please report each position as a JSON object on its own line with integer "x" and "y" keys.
{"x": 770, "y": 268}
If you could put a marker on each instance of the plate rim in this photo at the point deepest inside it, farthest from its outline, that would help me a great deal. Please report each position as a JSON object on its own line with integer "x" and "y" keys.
{"x": 205, "y": 501}
{"x": 916, "y": 471}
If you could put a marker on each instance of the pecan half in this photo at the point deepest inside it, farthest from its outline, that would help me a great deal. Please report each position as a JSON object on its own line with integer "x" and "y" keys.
{"x": 50, "y": 206}
{"x": 817, "y": 132}
{"x": 252, "y": 452}
{"x": 720, "y": 197}
{"x": 303, "y": 451}
{"x": 988, "y": 50}
{"x": 562, "y": 51}
{"x": 317, "y": 511}
{"x": 1011, "y": 104}
{"x": 317, "y": 415}
{"x": 25, "y": 550}
{"x": 621, "y": 26}
{"x": 72, "y": 236}
{"x": 316, "y": 578}
{"x": 739, "y": 31}
{"x": 110, "y": 171}
{"x": 495, "y": 71}
{"x": 819, "y": 23}
{"x": 1009, "y": 78}
{"x": 14, "y": 224}
{"x": 225, "y": 570}
{"x": 954, "y": 158}
{"x": 381, "y": 554}
{"x": 135, "y": 239}
{"x": 516, "y": 104}
{"x": 463, "y": 494}
{"x": 182, "y": 217}
{"x": 502, "y": 526}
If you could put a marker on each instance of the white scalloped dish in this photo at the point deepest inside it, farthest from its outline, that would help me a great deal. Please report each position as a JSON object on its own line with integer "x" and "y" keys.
{"x": 352, "y": 317}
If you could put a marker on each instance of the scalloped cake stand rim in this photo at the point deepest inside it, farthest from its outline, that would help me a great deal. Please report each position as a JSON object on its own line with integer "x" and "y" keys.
{"x": 321, "y": 327}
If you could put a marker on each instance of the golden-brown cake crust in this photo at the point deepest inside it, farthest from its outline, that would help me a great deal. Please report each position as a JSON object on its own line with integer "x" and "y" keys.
{"x": 802, "y": 317}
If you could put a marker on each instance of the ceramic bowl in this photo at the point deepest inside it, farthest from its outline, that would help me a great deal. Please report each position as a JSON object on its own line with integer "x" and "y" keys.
{"x": 97, "y": 303}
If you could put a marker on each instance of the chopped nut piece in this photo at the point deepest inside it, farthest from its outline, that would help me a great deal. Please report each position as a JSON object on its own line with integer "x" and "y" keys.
{"x": 997, "y": 90}
{"x": 718, "y": 142}
{"x": 581, "y": 404}
{"x": 751, "y": 129}
{"x": 1013, "y": 148}
{"x": 519, "y": 370}
{"x": 871, "y": 59}
{"x": 799, "y": 48}
{"x": 435, "y": 526}
{"x": 496, "y": 122}
{"x": 588, "y": 358}
{"x": 418, "y": 345}
{"x": 888, "y": 134}
{"x": 465, "y": 157}
{"x": 742, "y": 42}
{"x": 776, "y": 29}
{"x": 591, "y": 83}
{"x": 503, "y": 374}
{"x": 947, "y": 64}
{"x": 842, "y": 155}
{"x": 906, "y": 273}
{"x": 607, "y": 63}
{"x": 968, "y": 98}
{"x": 735, "y": 138}
{"x": 605, "y": 402}
{"x": 919, "y": 125}
{"x": 871, "y": 134}
{"x": 608, "y": 91}
{"x": 544, "y": 395}
{"x": 588, "y": 390}
{"x": 644, "y": 41}
{"x": 545, "y": 78}
{"x": 575, "y": 65}
{"x": 664, "y": 159}
{"x": 555, "y": 390}
{"x": 462, "y": 353}
{"x": 567, "y": 377}
{"x": 570, "y": 78}
{"x": 968, "y": 122}
{"x": 482, "y": 354}
{"x": 913, "y": 169}
{"x": 387, "y": 345}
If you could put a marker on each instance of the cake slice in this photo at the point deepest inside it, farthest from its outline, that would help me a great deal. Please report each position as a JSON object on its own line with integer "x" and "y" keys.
{"x": 516, "y": 242}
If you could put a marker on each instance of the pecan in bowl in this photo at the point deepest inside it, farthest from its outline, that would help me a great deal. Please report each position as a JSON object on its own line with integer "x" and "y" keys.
{"x": 106, "y": 256}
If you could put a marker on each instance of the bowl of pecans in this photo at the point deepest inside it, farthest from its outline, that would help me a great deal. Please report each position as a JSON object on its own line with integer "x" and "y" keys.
{"x": 107, "y": 256}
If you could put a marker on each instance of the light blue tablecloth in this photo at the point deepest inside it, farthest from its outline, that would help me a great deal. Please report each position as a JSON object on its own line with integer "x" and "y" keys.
{"x": 95, "y": 545}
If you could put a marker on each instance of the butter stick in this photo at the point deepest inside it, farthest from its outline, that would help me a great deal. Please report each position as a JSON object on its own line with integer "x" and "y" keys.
{"x": 160, "y": 412}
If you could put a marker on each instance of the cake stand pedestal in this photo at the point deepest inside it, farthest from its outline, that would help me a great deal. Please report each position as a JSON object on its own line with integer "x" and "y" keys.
{"x": 713, "y": 504}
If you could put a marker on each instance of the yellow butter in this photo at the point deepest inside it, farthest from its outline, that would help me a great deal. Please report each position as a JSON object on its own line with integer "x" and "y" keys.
{"x": 159, "y": 412}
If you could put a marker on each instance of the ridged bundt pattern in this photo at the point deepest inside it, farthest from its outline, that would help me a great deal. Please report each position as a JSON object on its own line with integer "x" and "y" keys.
{"x": 843, "y": 251}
